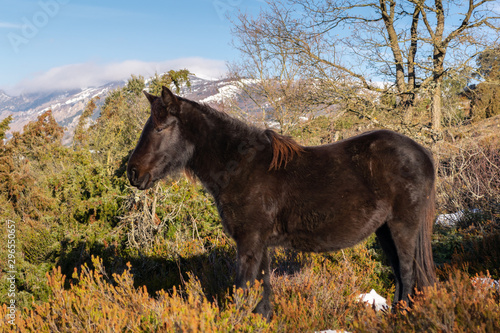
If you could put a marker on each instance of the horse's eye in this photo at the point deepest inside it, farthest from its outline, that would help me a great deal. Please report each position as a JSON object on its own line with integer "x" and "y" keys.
{"x": 159, "y": 129}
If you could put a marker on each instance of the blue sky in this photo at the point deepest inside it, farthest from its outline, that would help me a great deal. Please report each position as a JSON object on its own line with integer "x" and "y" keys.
{"x": 66, "y": 44}
{"x": 75, "y": 43}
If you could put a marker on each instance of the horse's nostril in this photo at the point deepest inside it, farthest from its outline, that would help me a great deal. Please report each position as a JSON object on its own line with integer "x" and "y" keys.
{"x": 132, "y": 174}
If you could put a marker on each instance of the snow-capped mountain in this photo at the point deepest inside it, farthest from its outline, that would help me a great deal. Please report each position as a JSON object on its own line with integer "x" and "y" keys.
{"x": 4, "y": 97}
{"x": 67, "y": 106}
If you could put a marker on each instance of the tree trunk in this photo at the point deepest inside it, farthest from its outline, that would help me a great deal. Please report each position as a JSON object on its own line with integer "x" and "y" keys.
{"x": 408, "y": 111}
{"x": 388, "y": 18}
{"x": 438, "y": 65}
{"x": 436, "y": 105}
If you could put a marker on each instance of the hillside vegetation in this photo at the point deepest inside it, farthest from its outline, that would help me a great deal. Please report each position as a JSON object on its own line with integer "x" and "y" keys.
{"x": 93, "y": 254}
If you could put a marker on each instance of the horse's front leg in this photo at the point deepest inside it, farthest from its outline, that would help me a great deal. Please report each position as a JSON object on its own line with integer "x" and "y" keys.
{"x": 264, "y": 306}
{"x": 250, "y": 253}
{"x": 253, "y": 264}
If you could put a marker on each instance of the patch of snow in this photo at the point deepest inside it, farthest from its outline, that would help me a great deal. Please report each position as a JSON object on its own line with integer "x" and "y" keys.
{"x": 4, "y": 97}
{"x": 381, "y": 84}
{"x": 85, "y": 94}
{"x": 452, "y": 219}
{"x": 225, "y": 92}
{"x": 53, "y": 106}
{"x": 102, "y": 92}
{"x": 273, "y": 124}
{"x": 228, "y": 90}
{"x": 489, "y": 282}
{"x": 248, "y": 82}
{"x": 372, "y": 298}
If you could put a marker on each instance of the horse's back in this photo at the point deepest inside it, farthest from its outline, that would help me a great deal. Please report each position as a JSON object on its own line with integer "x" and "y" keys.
{"x": 380, "y": 158}
{"x": 335, "y": 195}
{"x": 374, "y": 161}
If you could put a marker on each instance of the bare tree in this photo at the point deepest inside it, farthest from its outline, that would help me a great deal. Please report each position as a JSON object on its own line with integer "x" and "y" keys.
{"x": 412, "y": 43}
{"x": 443, "y": 39}
{"x": 271, "y": 75}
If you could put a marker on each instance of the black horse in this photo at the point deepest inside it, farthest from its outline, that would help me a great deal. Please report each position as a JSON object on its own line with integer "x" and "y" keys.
{"x": 270, "y": 191}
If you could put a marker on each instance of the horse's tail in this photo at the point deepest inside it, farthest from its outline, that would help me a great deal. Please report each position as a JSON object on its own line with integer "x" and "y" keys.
{"x": 425, "y": 274}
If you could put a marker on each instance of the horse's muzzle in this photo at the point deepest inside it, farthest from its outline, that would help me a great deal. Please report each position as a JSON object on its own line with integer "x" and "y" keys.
{"x": 141, "y": 183}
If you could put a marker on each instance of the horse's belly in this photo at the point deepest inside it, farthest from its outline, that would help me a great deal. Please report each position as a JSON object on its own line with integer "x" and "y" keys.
{"x": 318, "y": 242}
{"x": 318, "y": 231}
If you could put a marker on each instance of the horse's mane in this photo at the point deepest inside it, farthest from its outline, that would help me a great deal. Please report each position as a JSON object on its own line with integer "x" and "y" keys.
{"x": 284, "y": 149}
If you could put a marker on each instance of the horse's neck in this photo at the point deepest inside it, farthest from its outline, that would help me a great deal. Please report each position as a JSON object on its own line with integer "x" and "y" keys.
{"x": 221, "y": 145}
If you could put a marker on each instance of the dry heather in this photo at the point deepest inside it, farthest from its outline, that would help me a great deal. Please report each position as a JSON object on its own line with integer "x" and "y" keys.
{"x": 312, "y": 292}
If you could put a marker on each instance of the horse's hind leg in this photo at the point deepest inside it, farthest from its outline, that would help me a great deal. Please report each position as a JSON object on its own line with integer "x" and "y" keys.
{"x": 398, "y": 241}
{"x": 385, "y": 239}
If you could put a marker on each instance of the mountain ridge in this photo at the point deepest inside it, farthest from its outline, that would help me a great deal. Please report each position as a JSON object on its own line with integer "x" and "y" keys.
{"x": 67, "y": 106}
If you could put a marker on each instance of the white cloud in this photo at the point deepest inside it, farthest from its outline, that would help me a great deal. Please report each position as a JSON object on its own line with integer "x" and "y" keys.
{"x": 91, "y": 74}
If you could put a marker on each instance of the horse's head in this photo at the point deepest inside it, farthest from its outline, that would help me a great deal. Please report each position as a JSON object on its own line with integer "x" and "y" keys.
{"x": 161, "y": 149}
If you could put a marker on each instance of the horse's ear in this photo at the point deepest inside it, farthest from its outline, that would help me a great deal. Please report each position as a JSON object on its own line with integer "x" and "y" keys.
{"x": 168, "y": 99}
{"x": 150, "y": 97}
